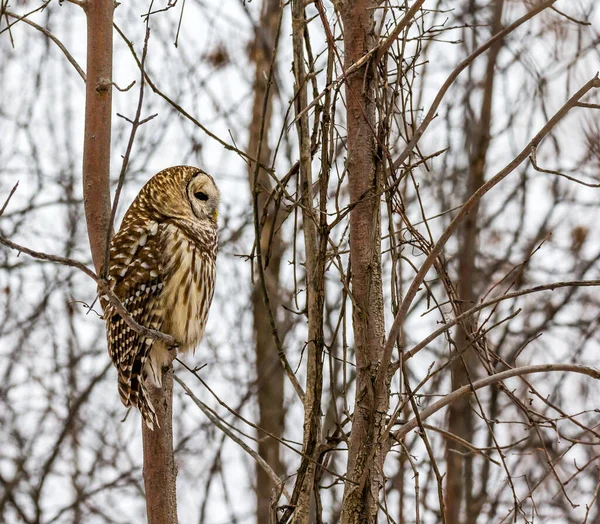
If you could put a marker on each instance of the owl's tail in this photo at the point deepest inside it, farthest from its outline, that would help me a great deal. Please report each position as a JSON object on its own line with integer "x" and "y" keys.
{"x": 133, "y": 391}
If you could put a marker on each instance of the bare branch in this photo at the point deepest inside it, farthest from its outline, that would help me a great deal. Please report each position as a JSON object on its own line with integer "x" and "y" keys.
{"x": 457, "y": 71}
{"x": 12, "y": 192}
{"x": 215, "y": 420}
{"x": 533, "y": 159}
{"x": 488, "y": 381}
{"x": 52, "y": 37}
{"x": 470, "y": 312}
{"x": 384, "y": 46}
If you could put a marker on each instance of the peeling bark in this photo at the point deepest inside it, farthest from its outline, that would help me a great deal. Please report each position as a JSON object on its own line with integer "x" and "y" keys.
{"x": 365, "y": 451}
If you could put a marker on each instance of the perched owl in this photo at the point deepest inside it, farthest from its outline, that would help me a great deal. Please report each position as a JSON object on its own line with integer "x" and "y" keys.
{"x": 162, "y": 268}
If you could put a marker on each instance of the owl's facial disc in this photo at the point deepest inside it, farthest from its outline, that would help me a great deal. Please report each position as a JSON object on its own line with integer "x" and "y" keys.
{"x": 203, "y": 196}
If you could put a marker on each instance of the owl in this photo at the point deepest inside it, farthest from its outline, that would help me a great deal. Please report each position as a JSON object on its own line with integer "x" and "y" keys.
{"x": 162, "y": 269}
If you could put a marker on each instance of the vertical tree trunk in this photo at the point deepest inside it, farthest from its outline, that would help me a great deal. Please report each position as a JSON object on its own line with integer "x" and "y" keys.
{"x": 160, "y": 471}
{"x": 269, "y": 371}
{"x": 315, "y": 269}
{"x": 98, "y": 110}
{"x": 365, "y": 455}
{"x": 459, "y": 480}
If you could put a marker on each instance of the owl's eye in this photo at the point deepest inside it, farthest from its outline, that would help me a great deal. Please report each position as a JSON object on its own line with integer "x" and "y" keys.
{"x": 200, "y": 195}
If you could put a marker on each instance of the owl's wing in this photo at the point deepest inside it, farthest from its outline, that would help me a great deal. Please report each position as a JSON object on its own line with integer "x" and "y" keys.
{"x": 136, "y": 274}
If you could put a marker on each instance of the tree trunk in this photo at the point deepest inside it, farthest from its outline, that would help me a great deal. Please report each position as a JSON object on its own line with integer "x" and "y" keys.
{"x": 269, "y": 371}
{"x": 160, "y": 472}
{"x": 315, "y": 270}
{"x": 98, "y": 110}
{"x": 365, "y": 452}
{"x": 459, "y": 479}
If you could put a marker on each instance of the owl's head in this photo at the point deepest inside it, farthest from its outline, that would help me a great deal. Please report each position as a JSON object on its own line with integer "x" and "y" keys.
{"x": 203, "y": 196}
{"x": 183, "y": 193}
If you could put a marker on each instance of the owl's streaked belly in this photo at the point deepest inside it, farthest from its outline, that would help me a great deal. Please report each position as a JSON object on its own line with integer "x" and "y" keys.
{"x": 186, "y": 298}
{"x": 188, "y": 292}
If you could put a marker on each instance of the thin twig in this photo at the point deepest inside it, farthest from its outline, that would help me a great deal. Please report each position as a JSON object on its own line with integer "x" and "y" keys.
{"x": 12, "y": 192}
{"x": 545, "y": 287}
{"x": 260, "y": 461}
{"x": 534, "y": 163}
{"x": 51, "y": 36}
{"x": 488, "y": 381}
{"x": 457, "y": 71}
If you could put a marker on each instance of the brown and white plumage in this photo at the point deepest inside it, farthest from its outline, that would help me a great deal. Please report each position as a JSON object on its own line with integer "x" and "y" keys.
{"x": 162, "y": 268}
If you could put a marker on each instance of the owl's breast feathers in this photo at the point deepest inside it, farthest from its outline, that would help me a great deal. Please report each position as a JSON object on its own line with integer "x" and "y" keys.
{"x": 189, "y": 286}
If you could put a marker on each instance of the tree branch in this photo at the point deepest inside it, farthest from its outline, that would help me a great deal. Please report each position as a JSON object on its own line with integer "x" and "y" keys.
{"x": 52, "y": 37}
{"x": 545, "y": 287}
{"x": 488, "y": 381}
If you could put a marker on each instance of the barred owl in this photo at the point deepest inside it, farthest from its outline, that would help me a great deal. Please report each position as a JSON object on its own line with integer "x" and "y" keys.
{"x": 162, "y": 268}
